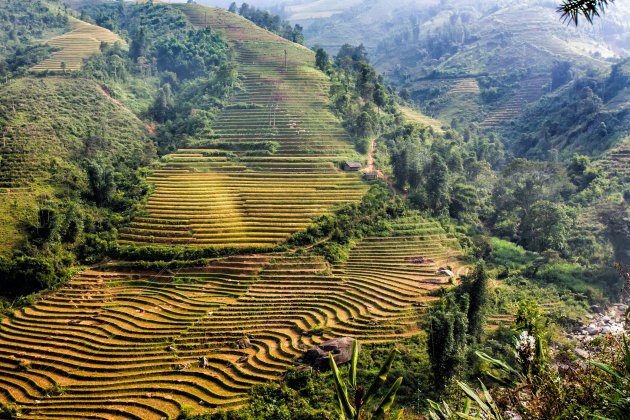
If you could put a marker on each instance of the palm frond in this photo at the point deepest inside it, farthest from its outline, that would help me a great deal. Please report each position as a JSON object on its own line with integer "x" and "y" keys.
{"x": 571, "y": 10}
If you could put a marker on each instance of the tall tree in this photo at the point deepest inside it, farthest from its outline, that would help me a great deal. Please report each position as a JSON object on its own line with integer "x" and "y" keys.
{"x": 139, "y": 44}
{"x": 447, "y": 341}
{"x": 322, "y": 60}
{"x": 101, "y": 178}
{"x": 476, "y": 286}
{"x": 437, "y": 185}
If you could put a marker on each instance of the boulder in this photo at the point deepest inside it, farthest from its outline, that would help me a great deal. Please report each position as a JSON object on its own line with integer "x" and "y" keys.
{"x": 243, "y": 343}
{"x": 340, "y": 348}
{"x": 582, "y": 353}
{"x": 592, "y": 329}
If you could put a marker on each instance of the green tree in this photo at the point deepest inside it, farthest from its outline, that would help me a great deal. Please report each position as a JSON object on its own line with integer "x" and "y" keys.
{"x": 546, "y": 226}
{"x": 379, "y": 96}
{"x": 561, "y": 74}
{"x": 297, "y": 35}
{"x": 365, "y": 125}
{"x": 447, "y": 328}
{"x": 464, "y": 201}
{"x": 322, "y": 61}
{"x": 476, "y": 286}
{"x": 102, "y": 183}
{"x": 139, "y": 44}
{"x": 233, "y": 7}
{"x": 437, "y": 185}
{"x": 163, "y": 104}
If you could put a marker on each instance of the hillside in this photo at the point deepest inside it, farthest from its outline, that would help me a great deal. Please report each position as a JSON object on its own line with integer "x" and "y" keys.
{"x": 508, "y": 49}
{"x": 589, "y": 116}
{"x": 51, "y": 127}
{"x": 72, "y": 47}
{"x": 128, "y": 345}
{"x": 192, "y": 204}
{"x": 272, "y": 164}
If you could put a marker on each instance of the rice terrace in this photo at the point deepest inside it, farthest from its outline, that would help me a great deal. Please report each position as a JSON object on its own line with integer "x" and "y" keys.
{"x": 127, "y": 344}
{"x": 306, "y": 209}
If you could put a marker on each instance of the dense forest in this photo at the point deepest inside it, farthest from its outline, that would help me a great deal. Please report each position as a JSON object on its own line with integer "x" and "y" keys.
{"x": 480, "y": 262}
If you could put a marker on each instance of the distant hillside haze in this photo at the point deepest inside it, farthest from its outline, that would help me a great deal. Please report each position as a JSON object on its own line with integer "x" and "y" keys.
{"x": 331, "y": 23}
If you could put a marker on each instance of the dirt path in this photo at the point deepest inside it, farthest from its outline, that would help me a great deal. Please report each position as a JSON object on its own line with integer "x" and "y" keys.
{"x": 370, "y": 161}
{"x": 371, "y": 168}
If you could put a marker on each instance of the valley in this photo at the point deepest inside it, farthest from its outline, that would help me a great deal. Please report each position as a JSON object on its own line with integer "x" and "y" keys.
{"x": 356, "y": 210}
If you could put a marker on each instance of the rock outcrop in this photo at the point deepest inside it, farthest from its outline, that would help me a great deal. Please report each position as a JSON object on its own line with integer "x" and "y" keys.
{"x": 339, "y": 348}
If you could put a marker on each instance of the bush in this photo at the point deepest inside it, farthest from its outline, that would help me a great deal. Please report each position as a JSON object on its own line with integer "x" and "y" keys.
{"x": 24, "y": 275}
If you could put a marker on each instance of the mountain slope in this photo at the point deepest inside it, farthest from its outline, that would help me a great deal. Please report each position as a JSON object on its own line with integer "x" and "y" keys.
{"x": 271, "y": 165}
{"x": 50, "y": 128}
{"x": 131, "y": 345}
{"x": 72, "y": 47}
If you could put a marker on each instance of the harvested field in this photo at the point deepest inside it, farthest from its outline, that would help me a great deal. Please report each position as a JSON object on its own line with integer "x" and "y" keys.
{"x": 128, "y": 344}
{"x": 82, "y": 41}
{"x": 208, "y": 197}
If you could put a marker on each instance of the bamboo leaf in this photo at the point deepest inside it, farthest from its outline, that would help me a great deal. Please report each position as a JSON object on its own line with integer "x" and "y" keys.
{"x": 341, "y": 390}
{"x": 388, "y": 401}
{"x": 467, "y": 406}
{"x": 490, "y": 401}
{"x": 353, "y": 363}
{"x": 499, "y": 364}
{"x": 473, "y": 396}
{"x": 610, "y": 370}
{"x": 380, "y": 378}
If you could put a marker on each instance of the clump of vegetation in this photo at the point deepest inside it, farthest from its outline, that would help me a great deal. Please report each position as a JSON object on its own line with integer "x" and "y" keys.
{"x": 269, "y": 21}
{"x": 331, "y": 236}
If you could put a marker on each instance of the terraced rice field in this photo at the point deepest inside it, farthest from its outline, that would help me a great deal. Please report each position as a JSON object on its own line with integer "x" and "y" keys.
{"x": 463, "y": 86}
{"x": 128, "y": 345}
{"x": 530, "y": 90}
{"x": 617, "y": 162}
{"x": 209, "y": 197}
{"x": 415, "y": 116}
{"x": 82, "y": 41}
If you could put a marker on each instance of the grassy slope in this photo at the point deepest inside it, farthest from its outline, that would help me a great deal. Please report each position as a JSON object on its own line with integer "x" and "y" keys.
{"x": 46, "y": 122}
{"x": 412, "y": 115}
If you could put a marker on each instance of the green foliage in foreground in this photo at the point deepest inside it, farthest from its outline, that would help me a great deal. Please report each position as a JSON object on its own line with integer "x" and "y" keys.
{"x": 350, "y": 408}
{"x": 531, "y": 385}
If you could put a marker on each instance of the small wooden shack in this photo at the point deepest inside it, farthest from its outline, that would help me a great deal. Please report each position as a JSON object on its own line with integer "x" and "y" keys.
{"x": 352, "y": 166}
{"x": 371, "y": 176}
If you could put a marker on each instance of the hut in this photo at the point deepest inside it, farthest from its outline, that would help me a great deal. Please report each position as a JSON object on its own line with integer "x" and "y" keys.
{"x": 371, "y": 176}
{"x": 352, "y": 166}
